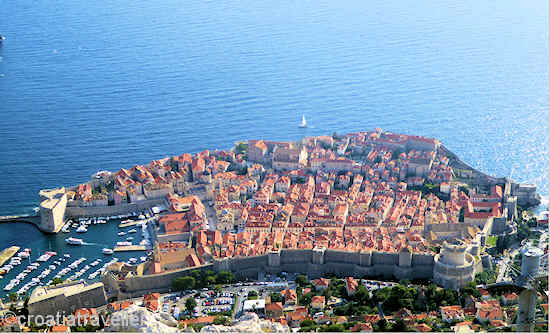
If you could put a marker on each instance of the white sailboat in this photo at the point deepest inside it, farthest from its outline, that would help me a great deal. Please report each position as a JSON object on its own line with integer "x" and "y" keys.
{"x": 304, "y": 123}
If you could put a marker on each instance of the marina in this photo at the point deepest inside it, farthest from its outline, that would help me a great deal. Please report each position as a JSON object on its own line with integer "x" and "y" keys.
{"x": 37, "y": 259}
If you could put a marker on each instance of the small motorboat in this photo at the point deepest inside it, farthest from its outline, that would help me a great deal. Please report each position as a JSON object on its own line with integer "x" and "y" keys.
{"x": 74, "y": 241}
{"x": 107, "y": 251}
{"x": 82, "y": 229}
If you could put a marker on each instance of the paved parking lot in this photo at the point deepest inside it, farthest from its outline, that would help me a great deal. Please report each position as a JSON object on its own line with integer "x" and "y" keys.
{"x": 237, "y": 293}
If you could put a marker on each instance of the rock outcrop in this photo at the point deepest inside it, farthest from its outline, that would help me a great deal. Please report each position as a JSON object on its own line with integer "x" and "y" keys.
{"x": 139, "y": 319}
{"x": 248, "y": 323}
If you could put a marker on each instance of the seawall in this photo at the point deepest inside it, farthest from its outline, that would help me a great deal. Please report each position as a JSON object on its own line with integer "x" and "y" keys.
{"x": 113, "y": 210}
{"x": 34, "y": 220}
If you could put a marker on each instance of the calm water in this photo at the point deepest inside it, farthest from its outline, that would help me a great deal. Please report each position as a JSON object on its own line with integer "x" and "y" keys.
{"x": 98, "y": 237}
{"x": 93, "y": 85}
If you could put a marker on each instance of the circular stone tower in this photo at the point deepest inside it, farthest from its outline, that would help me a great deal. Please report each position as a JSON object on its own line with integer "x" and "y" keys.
{"x": 454, "y": 266}
{"x": 530, "y": 261}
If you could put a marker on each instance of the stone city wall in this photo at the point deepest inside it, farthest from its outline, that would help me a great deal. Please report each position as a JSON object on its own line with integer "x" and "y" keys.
{"x": 289, "y": 256}
{"x": 69, "y": 304}
{"x": 314, "y": 263}
{"x": 142, "y": 285}
{"x": 113, "y": 210}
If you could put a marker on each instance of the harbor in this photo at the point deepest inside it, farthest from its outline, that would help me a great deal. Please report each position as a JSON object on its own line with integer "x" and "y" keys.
{"x": 83, "y": 249}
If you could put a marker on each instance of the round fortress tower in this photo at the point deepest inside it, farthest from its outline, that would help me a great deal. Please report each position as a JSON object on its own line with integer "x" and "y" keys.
{"x": 454, "y": 253}
{"x": 454, "y": 267}
{"x": 530, "y": 261}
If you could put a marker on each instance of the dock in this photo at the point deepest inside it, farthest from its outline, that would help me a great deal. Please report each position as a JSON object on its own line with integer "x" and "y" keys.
{"x": 7, "y": 253}
{"x": 132, "y": 223}
{"x": 130, "y": 248}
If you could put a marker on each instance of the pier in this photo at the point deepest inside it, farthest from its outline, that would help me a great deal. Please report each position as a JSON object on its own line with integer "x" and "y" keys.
{"x": 132, "y": 223}
{"x": 130, "y": 248}
{"x": 7, "y": 253}
{"x": 35, "y": 220}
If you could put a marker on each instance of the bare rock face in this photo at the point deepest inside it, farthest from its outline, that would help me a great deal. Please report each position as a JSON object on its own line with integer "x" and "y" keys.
{"x": 248, "y": 323}
{"x": 139, "y": 319}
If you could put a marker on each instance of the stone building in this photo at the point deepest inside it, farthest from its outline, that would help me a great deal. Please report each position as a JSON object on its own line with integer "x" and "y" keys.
{"x": 454, "y": 267}
{"x": 289, "y": 158}
{"x": 53, "y": 203}
{"x": 66, "y": 298}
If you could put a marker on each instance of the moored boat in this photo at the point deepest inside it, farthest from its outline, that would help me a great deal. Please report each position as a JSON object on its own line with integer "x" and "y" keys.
{"x": 82, "y": 229}
{"x": 107, "y": 251}
{"x": 74, "y": 241}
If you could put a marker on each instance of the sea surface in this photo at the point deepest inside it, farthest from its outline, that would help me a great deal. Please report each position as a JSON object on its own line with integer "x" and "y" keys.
{"x": 101, "y": 85}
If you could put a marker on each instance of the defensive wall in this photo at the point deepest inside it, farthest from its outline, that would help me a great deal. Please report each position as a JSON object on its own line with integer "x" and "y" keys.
{"x": 313, "y": 262}
{"x": 136, "y": 286}
{"x": 66, "y": 298}
{"x": 113, "y": 210}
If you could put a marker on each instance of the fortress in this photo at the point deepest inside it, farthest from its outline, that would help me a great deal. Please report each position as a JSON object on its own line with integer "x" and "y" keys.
{"x": 53, "y": 203}
{"x": 55, "y": 209}
{"x": 454, "y": 267}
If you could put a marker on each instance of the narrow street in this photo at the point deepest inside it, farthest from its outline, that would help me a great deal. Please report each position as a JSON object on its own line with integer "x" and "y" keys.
{"x": 200, "y": 192}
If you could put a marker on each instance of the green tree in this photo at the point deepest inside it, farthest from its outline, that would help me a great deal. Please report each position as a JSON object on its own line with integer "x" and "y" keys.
{"x": 470, "y": 290}
{"x": 183, "y": 283}
{"x": 210, "y": 280}
{"x": 333, "y": 328}
{"x": 276, "y": 297}
{"x": 57, "y": 280}
{"x": 190, "y": 304}
{"x": 305, "y": 300}
{"x": 307, "y": 323}
{"x": 399, "y": 326}
{"x": 301, "y": 280}
{"x": 221, "y": 320}
{"x": 381, "y": 326}
{"x": 241, "y": 148}
{"x": 361, "y": 296}
{"x": 13, "y": 297}
{"x": 252, "y": 294}
{"x": 224, "y": 277}
{"x": 485, "y": 277}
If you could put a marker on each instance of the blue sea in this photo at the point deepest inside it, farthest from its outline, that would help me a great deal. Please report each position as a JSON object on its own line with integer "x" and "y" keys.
{"x": 100, "y": 85}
